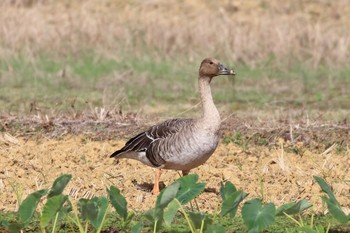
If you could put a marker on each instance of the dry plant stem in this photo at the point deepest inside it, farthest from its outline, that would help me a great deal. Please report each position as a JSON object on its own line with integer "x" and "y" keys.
{"x": 261, "y": 188}
{"x": 18, "y": 191}
{"x": 318, "y": 37}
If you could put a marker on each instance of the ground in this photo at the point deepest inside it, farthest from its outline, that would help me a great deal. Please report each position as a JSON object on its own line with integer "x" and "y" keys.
{"x": 31, "y": 163}
{"x": 78, "y": 78}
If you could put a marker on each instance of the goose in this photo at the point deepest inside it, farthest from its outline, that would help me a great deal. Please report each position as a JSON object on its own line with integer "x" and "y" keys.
{"x": 181, "y": 144}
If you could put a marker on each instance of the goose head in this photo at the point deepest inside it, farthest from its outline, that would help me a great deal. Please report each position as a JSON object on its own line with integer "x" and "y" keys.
{"x": 211, "y": 67}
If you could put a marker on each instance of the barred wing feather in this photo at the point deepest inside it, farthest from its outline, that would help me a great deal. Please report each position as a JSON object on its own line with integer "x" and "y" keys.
{"x": 142, "y": 141}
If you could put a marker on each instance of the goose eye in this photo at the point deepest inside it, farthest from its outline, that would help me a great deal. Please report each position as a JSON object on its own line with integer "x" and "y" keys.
{"x": 211, "y": 63}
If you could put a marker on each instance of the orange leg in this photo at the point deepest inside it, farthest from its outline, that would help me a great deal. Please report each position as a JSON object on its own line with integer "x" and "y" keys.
{"x": 155, "y": 190}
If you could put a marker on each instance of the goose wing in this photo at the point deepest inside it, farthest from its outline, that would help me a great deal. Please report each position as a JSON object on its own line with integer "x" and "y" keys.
{"x": 143, "y": 141}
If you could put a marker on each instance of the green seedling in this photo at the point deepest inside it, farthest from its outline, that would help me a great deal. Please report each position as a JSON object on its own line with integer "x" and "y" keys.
{"x": 257, "y": 217}
{"x": 292, "y": 208}
{"x": 94, "y": 210}
{"x": 26, "y": 211}
{"x": 59, "y": 185}
{"x": 155, "y": 216}
{"x": 188, "y": 190}
{"x": 119, "y": 203}
{"x": 311, "y": 228}
{"x": 332, "y": 203}
{"x": 231, "y": 199}
{"x": 51, "y": 210}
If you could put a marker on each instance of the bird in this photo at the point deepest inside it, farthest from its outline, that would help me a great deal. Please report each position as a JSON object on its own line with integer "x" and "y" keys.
{"x": 181, "y": 144}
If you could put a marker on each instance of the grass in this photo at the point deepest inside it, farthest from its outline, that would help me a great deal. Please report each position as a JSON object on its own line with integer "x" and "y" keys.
{"x": 310, "y": 100}
{"x": 120, "y": 55}
{"x": 91, "y": 79}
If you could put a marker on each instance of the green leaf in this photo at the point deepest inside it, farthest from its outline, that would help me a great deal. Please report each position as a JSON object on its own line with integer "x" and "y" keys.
{"x": 198, "y": 218}
{"x": 189, "y": 188}
{"x": 67, "y": 207}
{"x": 150, "y": 215}
{"x": 326, "y": 188}
{"x": 154, "y": 218}
{"x": 4, "y": 223}
{"x": 58, "y": 185}
{"x": 230, "y": 204}
{"x": 164, "y": 198}
{"x": 88, "y": 208}
{"x": 51, "y": 207}
{"x": 216, "y": 228}
{"x": 307, "y": 229}
{"x": 28, "y": 206}
{"x": 256, "y": 217}
{"x": 130, "y": 216}
{"x": 13, "y": 227}
{"x": 118, "y": 201}
{"x": 336, "y": 211}
{"x": 226, "y": 190}
{"x": 167, "y": 195}
{"x": 102, "y": 204}
{"x": 94, "y": 210}
{"x": 293, "y": 207}
{"x": 320, "y": 229}
{"x": 170, "y": 213}
{"x": 136, "y": 228}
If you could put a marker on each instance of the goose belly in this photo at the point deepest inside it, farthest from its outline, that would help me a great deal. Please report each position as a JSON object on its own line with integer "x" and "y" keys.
{"x": 191, "y": 152}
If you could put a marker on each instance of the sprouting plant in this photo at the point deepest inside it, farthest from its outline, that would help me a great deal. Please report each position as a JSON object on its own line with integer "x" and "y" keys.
{"x": 120, "y": 205}
{"x": 173, "y": 198}
{"x": 94, "y": 210}
{"x": 54, "y": 205}
{"x": 25, "y": 211}
{"x": 332, "y": 203}
{"x": 156, "y": 215}
{"x": 257, "y": 217}
{"x": 51, "y": 209}
{"x": 231, "y": 199}
{"x": 311, "y": 228}
{"x": 292, "y": 208}
{"x": 90, "y": 214}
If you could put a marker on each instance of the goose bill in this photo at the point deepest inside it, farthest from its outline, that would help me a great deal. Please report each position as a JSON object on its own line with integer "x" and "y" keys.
{"x": 223, "y": 70}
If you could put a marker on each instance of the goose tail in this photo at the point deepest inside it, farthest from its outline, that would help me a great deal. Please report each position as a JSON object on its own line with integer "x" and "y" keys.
{"x": 117, "y": 153}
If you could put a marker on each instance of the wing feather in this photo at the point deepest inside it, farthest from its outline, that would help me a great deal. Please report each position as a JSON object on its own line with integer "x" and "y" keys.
{"x": 144, "y": 140}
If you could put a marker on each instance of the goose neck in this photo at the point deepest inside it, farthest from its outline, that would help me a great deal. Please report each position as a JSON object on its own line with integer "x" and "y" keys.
{"x": 210, "y": 114}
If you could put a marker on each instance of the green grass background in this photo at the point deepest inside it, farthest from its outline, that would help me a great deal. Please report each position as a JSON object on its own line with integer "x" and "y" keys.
{"x": 162, "y": 85}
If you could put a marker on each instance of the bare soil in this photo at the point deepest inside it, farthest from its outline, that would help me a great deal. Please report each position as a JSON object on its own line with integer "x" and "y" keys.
{"x": 29, "y": 163}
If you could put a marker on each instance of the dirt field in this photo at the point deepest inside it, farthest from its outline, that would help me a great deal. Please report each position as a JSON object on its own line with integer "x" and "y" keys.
{"x": 31, "y": 164}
